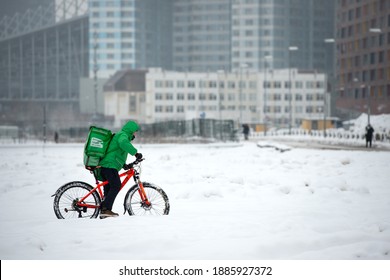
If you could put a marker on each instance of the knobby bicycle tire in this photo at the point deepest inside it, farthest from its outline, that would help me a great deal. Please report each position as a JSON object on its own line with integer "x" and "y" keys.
{"x": 156, "y": 196}
{"x": 69, "y": 194}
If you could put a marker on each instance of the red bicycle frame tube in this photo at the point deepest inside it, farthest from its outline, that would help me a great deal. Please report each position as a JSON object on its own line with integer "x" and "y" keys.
{"x": 127, "y": 174}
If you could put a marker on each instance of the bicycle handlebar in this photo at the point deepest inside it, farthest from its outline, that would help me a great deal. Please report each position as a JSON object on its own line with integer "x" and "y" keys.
{"x": 131, "y": 165}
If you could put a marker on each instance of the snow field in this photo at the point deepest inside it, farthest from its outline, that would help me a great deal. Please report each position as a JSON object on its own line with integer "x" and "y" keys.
{"x": 228, "y": 201}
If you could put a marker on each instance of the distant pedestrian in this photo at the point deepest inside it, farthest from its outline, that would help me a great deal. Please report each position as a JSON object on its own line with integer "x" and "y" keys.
{"x": 369, "y": 134}
{"x": 245, "y": 131}
{"x": 56, "y": 136}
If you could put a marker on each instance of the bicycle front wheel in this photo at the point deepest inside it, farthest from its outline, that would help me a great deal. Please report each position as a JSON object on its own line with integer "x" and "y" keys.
{"x": 159, "y": 203}
{"x": 66, "y": 199}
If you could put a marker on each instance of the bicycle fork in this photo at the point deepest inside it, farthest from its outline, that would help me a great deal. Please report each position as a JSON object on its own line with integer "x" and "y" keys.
{"x": 141, "y": 190}
{"x": 145, "y": 203}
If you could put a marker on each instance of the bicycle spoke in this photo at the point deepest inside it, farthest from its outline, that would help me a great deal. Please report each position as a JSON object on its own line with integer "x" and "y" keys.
{"x": 158, "y": 202}
{"x": 66, "y": 201}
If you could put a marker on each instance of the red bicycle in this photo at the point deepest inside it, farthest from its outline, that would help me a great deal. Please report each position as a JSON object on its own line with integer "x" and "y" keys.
{"x": 81, "y": 200}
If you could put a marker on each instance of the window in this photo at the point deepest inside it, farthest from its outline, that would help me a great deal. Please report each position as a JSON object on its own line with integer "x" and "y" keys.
{"x": 252, "y": 84}
{"x": 309, "y": 109}
{"x": 231, "y": 84}
{"x": 191, "y": 96}
{"x": 299, "y": 84}
{"x": 372, "y": 58}
{"x": 277, "y": 97}
{"x": 212, "y": 84}
{"x": 126, "y": 34}
{"x": 212, "y": 96}
{"x": 132, "y": 104}
{"x": 191, "y": 84}
{"x": 381, "y": 57}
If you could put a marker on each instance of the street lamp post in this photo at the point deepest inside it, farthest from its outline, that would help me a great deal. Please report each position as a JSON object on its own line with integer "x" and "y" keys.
{"x": 369, "y": 104}
{"x": 290, "y": 49}
{"x": 220, "y": 101}
{"x": 327, "y": 41}
{"x": 95, "y": 71}
{"x": 267, "y": 57}
{"x": 242, "y": 66}
{"x": 377, "y": 31}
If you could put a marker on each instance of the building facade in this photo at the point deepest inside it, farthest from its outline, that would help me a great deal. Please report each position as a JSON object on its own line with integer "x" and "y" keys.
{"x": 129, "y": 34}
{"x": 226, "y": 34}
{"x": 246, "y": 97}
{"x": 41, "y": 65}
{"x": 363, "y": 57}
{"x": 202, "y": 35}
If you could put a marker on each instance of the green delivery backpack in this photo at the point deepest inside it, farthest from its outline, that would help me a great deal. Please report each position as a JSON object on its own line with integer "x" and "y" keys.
{"x": 96, "y": 146}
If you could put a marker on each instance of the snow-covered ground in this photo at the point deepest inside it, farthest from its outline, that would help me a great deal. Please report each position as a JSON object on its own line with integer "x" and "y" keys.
{"x": 228, "y": 201}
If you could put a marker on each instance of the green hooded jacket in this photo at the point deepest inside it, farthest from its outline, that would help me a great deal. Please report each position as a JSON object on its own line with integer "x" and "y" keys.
{"x": 120, "y": 147}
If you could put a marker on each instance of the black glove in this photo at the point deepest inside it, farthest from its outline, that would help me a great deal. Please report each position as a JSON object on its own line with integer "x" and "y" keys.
{"x": 138, "y": 156}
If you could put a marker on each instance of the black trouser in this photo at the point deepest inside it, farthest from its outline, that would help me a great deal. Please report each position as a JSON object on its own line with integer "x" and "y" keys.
{"x": 112, "y": 189}
{"x": 369, "y": 141}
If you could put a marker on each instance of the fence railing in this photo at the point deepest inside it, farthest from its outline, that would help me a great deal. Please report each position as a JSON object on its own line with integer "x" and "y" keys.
{"x": 203, "y": 129}
{"x": 330, "y": 134}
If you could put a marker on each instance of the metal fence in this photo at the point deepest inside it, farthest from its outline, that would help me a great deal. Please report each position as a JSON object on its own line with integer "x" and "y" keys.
{"x": 196, "y": 130}
{"x": 189, "y": 130}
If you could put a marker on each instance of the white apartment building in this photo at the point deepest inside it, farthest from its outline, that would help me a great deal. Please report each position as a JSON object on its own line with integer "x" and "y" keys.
{"x": 243, "y": 96}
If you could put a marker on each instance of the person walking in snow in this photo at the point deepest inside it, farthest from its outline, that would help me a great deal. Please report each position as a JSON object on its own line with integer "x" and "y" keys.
{"x": 56, "y": 137}
{"x": 113, "y": 162}
{"x": 245, "y": 130}
{"x": 369, "y": 135}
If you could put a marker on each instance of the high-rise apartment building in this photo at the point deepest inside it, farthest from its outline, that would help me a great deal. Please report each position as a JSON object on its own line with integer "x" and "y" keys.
{"x": 363, "y": 57}
{"x": 129, "y": 34}
{"x": 227, "y": 34}
{"x": 202, "y": 35}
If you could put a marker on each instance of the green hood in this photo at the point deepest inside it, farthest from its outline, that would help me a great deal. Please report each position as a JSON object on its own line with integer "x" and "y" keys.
{"x": 130, "y": 127}
{"x": 120, "y": 147}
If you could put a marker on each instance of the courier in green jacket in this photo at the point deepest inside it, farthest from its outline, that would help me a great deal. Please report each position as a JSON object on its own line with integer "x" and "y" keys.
{"x": 113, "y": 161}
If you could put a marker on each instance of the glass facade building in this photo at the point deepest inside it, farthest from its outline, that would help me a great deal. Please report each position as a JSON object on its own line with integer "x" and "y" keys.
{"x": 226, "y": 34}
{"x": 129, "y": 34}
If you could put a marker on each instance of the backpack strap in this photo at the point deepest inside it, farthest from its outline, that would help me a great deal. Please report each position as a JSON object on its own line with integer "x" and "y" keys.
{"x": 95, "y": 175}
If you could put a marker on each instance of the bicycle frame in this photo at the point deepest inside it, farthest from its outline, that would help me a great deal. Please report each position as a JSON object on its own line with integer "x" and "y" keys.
{"x": 128, "y": 174}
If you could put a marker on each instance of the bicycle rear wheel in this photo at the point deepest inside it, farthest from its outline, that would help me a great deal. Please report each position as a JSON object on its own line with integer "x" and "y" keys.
{"x": 157, "y": 197}
{"x": 66, "y": 199}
